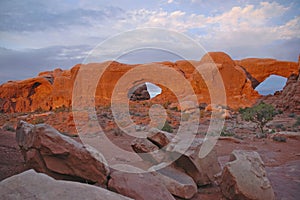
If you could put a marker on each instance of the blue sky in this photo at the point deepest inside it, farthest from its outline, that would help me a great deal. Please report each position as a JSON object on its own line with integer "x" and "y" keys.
{"x": 38, "y": 35}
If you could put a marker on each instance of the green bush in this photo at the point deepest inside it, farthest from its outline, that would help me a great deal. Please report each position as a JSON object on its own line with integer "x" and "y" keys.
{"x": 292, "y": 115}
{"x": 167, "y": 127}
{"x": 9, "y": 128}
{"x": 260, "y": 114}
{"x": 38, "y": 121}
{"x": 297, "y": 123}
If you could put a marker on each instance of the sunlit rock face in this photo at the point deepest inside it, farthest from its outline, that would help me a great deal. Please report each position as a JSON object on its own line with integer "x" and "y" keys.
{"x": 55, "y": 89}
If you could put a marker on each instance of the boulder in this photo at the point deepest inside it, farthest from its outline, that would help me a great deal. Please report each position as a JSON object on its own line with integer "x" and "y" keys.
{"x": 244, "y": 177}
{"x": 177, "y": 182}
{"x": 147, "y": 150}
{"x": 202, "y": 170}
{"x": 32, "y": 185}
{"x": 48, "y": 151}
{"x": 159, "y": 138}
{"x": 139, "y": 93}
{"x": 139, "y": 186}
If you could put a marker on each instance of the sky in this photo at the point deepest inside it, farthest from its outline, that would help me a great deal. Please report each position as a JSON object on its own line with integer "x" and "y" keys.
{"x": 40, "y": 35}
{"x": 271, "y": 85}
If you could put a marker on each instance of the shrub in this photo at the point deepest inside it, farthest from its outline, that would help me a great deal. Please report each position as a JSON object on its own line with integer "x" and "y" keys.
{"x": 297, "y": 123}
{"x": 292, "y": 115}
{"x": 279, "y": 126}
{"x": 9, "y": 128}
{"x": 38, "y": 121}
{"x": 167, "y": 127}
{"x": 279, "y": 139}
{"x": 225, "y": 132}
{"x": 260, "y": 114}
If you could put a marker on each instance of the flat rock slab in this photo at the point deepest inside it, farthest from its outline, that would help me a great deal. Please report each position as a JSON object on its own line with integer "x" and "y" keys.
{"x": 139, "y": 186}
{"x": 285, "y": 180}
{"x": 159, "y": 137}
{"x": 36, "y": 186}
{"x": 177, "y": 182}
{"x": 202, "y": 170}
{"x": 244, "y": 177}
{"x": 147, "y": 150}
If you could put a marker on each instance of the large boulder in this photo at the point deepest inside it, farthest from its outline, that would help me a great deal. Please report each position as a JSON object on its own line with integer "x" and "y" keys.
{"x": 202, "y": 170}
{"x": 244, "y": 177}
{"x": 159, "y": 138}
{"x": 177, "y": 182}
{"x": 139, "y": 93}
{"x": 184, "y": 152}
{"x": 147, "y": 150}
{"x": 48, "y": 151}
{"x": 139, "y": 186}
{"x": 32, "y": 185}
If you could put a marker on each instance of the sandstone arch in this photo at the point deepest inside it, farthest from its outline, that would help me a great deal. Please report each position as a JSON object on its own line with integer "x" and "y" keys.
{"x": 260, "y": 69}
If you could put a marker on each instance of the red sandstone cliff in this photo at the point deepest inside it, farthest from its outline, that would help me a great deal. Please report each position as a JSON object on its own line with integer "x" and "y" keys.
{"x": 54, "y": 89}
{"x": 260, "y": 69}
{"x": 289, "y": 97}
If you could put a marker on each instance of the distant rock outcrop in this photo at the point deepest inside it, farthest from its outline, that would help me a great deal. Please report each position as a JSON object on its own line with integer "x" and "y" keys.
{"x": 54, "y": 89}
{"x": 139, "y": 93}
{"x": 289, "y": 98}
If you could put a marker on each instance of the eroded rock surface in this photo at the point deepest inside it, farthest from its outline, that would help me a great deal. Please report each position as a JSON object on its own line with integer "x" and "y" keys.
{"x": 48, "y": 151}
{"x": 54, "y": 89}
{"x": 36, "y": 186}
{"x": 244, "y": 177}
{"x": 140, "y": 186}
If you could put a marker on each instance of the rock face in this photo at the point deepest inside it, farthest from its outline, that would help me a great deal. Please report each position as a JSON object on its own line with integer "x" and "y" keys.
{"x": 53, "y": 89}
{"x": 244, "y": 177}
{"x": 177, "y": 182}
{"x": 289, "y": 97}
{"x": 139, "y": 93}
{"x": 202, "y": 170}
{"x": 48, "y": 151}
{"x": 32, "y": 185}
{"x": 143, "y": 186}
{"x": 260, "y": 69}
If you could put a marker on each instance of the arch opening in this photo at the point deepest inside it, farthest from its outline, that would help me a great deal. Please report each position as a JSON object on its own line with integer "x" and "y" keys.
{"x": 271, "y": 85}
{"x": 144, "y": 91}
{"x": 153, "y": 89}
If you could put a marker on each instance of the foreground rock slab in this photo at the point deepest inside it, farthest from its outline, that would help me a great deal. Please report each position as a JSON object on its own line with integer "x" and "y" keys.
{"x": 36, "y": 186}
{"x": 202, "y": 170}
{"x": 48, "y": 151}
{"x": 177, "y": 182}
{"x": 139, "y": 186}
{"x": 244, "y": 177}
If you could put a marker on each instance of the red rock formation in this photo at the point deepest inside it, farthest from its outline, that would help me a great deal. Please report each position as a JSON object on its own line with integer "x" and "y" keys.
{"x": 239, "y": 91}
{"x": 289, "y": 98}
{"x": 260, "y": 69}
{"x": 27, "y": 95}
{"x": 54, "y": 89}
